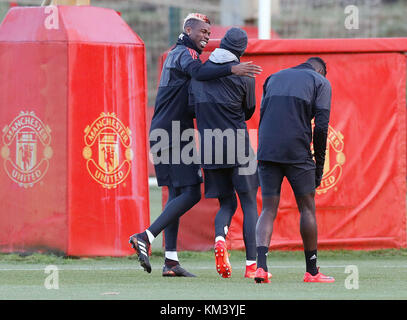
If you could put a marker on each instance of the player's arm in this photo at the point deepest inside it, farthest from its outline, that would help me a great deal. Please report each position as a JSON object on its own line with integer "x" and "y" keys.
{"x": 249, "y": 102}
{"x": 247, "y": 69}
{"x": 191, "y": 101}
{"x": 190, "y": 64}
{"x": 263, "y": 102}
{"x": 322, "y": 112}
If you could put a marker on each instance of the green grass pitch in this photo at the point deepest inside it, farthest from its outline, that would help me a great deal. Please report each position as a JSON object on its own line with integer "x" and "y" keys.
{"x": 381, "y": 275}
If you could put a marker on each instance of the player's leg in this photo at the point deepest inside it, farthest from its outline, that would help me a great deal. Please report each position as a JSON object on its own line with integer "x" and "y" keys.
{"x": 271, "y": 176}
{"x": 170, "y": 230}
{"x": 264, "y": 229}
{"x": 171, "y": 233}
{"x": 246, "y": 184}
{"x": 180, "y": 201}
{"x": 224, "y": 216}
{"x": 309, "y": 234}
{"x": 302, "y": 181}
{"x": 141, "y": 242}
{"x": 248, "y": 202}
{"x": 172, "y": 267}
{"x": 191, "y": 195}
{"x": 186, "y": 197}
{"x": 308, "y": 230}
{"x": 184, "y": 192}
{"x": 170, "y": 240}
{"x": 218, "y": 184}
{"x": 228, "y": 205}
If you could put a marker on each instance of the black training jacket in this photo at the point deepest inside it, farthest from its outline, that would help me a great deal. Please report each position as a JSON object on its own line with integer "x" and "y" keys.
{"x": 181, "y": 64}
{"x": 291, "y": 99}
{"x": 224, "y": 104}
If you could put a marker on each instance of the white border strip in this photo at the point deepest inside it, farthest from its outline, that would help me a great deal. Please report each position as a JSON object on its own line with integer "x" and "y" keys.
{"x": 73, "y": 268}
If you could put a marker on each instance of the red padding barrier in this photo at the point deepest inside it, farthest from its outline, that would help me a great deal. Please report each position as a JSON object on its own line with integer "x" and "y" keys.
{"x": 361, "y": 203}
{"x": 74, "y": 147}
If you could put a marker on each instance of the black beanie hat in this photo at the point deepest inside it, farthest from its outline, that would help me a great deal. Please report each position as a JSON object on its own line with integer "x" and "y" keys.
{"x": 235, "y": 39}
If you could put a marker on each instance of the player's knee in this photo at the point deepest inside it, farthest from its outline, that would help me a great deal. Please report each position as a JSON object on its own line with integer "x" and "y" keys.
{"x": 307, "y": 212}
{"x": 228, "y": 203}
{"x": 269, "y": 213}
{"x": 233, "y": 204}
{"x": 194, "y": 195}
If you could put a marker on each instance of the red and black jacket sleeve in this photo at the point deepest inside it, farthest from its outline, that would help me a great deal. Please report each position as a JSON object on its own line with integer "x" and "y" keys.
{"x": 191, "y": 64}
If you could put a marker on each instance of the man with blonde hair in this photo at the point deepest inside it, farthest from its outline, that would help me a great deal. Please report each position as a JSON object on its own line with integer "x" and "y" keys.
{"x": 171, "y": 108}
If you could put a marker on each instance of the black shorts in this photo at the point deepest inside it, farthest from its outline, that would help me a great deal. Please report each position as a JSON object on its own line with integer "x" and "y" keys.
{"x": 301, "y": 177}
{"x": 224, "y": 182}
{"x": 178, "y": 175}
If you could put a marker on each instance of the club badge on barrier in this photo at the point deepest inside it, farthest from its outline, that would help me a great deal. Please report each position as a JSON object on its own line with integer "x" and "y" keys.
{"x": 107, "y": 150}
{"x": 26, "y": 149}
{"x": 334, "y": 160}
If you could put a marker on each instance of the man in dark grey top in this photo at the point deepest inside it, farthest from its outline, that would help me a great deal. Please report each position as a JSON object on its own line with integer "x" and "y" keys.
{"x": 222, "y": 106}
{"x": 292, "y": 98}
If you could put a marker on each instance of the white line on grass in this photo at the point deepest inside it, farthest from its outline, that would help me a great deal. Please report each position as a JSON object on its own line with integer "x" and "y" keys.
{"x": 73, "y": 268}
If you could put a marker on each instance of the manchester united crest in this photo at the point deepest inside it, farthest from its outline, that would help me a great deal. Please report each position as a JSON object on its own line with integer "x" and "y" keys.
{"x": 334, "y": 161}
{"x": 26, "y": 149}
{"x": 107, "y": 150}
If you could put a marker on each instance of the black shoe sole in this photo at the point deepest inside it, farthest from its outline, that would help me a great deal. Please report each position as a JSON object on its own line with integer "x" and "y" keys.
{"x": 174, "y": 275}
{"x": 259, "y": 280}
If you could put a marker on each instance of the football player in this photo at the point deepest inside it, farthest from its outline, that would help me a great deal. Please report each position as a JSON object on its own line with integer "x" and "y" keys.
{"x": 222, "y": 106}
{"x": 291, "y": 99}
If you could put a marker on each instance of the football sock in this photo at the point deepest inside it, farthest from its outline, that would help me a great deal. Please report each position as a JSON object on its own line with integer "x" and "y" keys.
{"x": 220, "y": 238}
{"x": 150, "y": 236}
{"x": 171, "y": 263}
{"x": 171, "y": 258}
{"x": 172, "y": 255}
{"x": 262, "y": 258}
{"x": 250, "y": 262}
{"x": 311, "y": 261}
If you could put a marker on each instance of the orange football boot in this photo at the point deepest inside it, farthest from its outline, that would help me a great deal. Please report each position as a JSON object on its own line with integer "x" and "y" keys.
{"x": 251, "y": 271}
{"x": 222, "y": 259}
{"x": 319, "y": 277}
{"x": 262, "y": 276}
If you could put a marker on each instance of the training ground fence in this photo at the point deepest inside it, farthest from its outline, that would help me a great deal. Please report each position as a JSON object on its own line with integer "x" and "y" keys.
{"x": 159, "y": 22}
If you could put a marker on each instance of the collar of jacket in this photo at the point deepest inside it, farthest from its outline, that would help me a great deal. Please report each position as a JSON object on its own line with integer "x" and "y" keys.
{"x": 185, "y": 40}
{"x": 220, "y": 55}
{"x": 304, "y": 65}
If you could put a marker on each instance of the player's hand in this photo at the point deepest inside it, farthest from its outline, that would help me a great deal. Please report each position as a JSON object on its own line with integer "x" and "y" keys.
{"x": 246, "y": 69}
{"x": 317, "y": 182}
{"x": 318, "y": 176}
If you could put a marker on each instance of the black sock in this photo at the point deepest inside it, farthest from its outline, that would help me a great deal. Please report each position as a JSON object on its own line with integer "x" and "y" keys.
{"x": 170, "y": 263}
{"x": 262, "y": 257}
{"x": 311, "y": 261}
